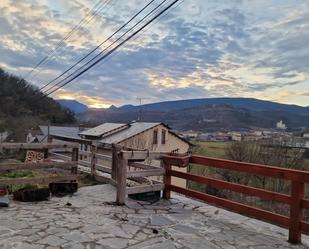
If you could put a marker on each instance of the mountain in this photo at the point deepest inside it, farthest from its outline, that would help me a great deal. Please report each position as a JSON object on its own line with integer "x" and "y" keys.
{"x": 23, "y": 106}
{"x": 73, "y": 105}
{"x": 247, "y": 103}
{"x": 220, "y": 114}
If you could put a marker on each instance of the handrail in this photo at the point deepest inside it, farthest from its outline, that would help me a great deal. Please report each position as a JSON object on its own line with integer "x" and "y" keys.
{"x": 37, "y": 146}
{"x": 295, "y": 200}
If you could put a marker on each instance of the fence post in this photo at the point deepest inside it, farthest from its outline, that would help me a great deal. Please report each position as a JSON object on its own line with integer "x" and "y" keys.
{"x": 114, "y": 162}
{"x": 93, "y": 160}
{"x": 74, "y": 159}
{"x": 296, "y": 212}
{"x": 121, "y": 181}
{"x": 167, "y": 180}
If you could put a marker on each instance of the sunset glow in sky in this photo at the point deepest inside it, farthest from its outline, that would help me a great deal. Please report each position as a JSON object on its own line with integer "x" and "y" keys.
{"x": 199, "y": 49}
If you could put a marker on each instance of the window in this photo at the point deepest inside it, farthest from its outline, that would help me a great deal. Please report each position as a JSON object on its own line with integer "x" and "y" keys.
{"x": 155, "y": 136}
{"x": 85, "y": 147}
{"x": 163, "y": 137}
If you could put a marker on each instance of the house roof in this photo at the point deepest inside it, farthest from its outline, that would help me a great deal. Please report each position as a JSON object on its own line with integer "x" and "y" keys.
{"x": 71, "y": 132}
{"x": 104, "y": 129}
{"x": 131, "y": 131}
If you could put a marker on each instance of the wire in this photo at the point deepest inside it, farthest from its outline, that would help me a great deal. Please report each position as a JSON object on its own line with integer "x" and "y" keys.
{"x": 102, "y": 44}
{"x": 115, "y": 48}
{"x": 77, "y": 27}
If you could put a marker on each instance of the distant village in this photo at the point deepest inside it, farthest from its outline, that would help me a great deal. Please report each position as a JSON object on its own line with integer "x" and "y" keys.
{"x": 278, "y": 134}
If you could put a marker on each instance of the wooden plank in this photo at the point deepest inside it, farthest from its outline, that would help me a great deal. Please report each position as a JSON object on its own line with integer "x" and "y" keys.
{"x": 93, "y": 160}
{"x": 304, "y": 227}
{"x": 234, "y": 206}
{"x": 121, "y": 181}
{"x": 141, "y": 155}
{"x": 37, "y": 146}
{"x": 38, "y": 180}
{"x": 103, "y": 168}
{"x": 74, "y": 159}
{"x": 144, "y": 188}
{"x": 38, "y": 165}
{"x": 296, "y": 212}
{"x": 104, "y": 157}
{"x": 142, "y": 165}
{"x": 305, "y": 203}
{"x": 264, "y": 194}
{"x": 167, "y": 180}
{"x": 115, "y": 160}
{"x": 145, "y": 173}
{"x": 258, "y": 169}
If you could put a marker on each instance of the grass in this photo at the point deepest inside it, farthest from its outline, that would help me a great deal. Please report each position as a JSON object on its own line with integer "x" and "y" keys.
{"x": 210, "y": 149}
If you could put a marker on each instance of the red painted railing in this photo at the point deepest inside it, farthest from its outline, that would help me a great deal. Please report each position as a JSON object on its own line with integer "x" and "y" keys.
{"x": 294, "y": 222}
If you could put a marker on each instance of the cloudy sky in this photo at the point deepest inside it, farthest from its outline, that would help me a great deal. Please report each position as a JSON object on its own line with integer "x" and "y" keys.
{"x": 200, "y": 48}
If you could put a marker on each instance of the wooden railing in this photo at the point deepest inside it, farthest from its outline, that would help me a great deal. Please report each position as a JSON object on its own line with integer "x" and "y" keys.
{"x": 70, "y": 164}
{"x": 128, "y": 164}
{"x": 294, "y": 222}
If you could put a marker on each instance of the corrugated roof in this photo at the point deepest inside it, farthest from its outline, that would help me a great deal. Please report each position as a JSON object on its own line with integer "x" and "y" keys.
{"x": 104, "y": 129}
{"x": 134, "y": 129}
{"x": 61, "y": 131}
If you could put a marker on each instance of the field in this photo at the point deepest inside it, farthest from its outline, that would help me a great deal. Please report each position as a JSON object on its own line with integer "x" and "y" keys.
{"x": 217, "y": 149}
{"x": 211, "y": 149}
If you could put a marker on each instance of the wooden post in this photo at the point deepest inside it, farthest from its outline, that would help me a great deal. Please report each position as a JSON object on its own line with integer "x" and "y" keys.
{"x": 114, "y": 162}
{"x": 296, "y": 212}
{"x": 167, "y": 181}
{"x": 121, "y": 181}
{"x": 93, "y": 160}
{"x": 74, "y": 159}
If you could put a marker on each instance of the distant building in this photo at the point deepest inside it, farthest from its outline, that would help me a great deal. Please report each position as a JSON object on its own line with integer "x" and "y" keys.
{"x": 281, "y": 126}
{"x": 138, "y": 135}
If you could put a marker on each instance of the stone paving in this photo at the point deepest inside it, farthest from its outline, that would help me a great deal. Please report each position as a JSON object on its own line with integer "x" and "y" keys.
{"x": 89, "y": 220}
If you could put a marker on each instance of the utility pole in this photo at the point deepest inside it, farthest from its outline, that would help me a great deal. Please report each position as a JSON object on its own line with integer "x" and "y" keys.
{"x": 140, "y": 99}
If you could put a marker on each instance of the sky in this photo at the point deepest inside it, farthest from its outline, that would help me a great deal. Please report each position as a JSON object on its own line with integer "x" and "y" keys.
{"x": 199, "y": 49}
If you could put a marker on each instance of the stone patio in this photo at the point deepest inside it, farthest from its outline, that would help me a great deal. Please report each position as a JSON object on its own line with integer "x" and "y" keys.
{"x": 89, "y": 220}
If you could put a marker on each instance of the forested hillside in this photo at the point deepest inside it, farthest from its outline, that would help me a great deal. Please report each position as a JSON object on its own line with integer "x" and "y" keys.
{"x": 22, "y": 106}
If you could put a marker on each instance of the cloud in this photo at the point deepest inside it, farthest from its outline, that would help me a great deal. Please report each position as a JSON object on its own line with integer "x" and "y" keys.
{"x": 199, "y": 49}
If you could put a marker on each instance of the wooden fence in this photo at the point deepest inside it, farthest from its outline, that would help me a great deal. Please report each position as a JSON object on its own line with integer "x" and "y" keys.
{"x": 69, "y": 165}
{"x": 294, "y": 222}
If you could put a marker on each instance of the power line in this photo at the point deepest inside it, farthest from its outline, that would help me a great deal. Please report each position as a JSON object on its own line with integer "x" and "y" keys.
{"x": 77, "y": 27}
{"x": 93, "y": 50}
{"x": 115, "y": 48}
{"x": 129, "y": 30}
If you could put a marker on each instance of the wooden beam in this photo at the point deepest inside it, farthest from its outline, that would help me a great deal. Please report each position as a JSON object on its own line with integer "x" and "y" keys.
{"x": 103, "y": 168}
{"x": 104, "y": 157}
{"x": 145, "y": 173}
{"x": 141, "y": 155}
{"x": 282, "y": 173}
{"x": 234, "y": 206}
{"x": 167, "y": 180}
{"x": 38, "y": 180}
{"x": 37, "y": 146}
{"x": 264, "y": 194}
{"x": 93, "y": 160}
{"x": 296, "y": 212}
{"x": 38, "y": 165}
{"x": 144, "y": 188}
{"x": 121, "y": 181}
{"x": 142, "y": 165}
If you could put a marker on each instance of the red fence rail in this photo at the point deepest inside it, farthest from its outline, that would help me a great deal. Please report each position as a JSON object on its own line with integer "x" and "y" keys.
{"x": 294, "y": 222}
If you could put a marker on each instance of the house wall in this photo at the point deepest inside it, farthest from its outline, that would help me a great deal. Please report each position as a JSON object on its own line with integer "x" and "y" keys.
{"x": 145, "y": 141}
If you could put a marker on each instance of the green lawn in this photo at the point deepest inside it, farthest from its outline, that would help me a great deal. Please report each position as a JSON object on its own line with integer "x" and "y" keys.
{"x": 211, "y": 149}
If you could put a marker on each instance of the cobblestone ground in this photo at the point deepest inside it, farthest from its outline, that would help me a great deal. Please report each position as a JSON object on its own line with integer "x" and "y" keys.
{"x": 92, "y": 222}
